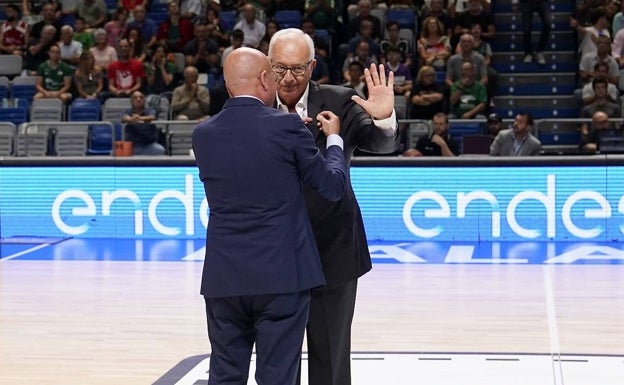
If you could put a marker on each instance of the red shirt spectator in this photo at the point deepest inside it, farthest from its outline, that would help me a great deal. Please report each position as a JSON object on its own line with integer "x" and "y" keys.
{"x": 125, "y": 75}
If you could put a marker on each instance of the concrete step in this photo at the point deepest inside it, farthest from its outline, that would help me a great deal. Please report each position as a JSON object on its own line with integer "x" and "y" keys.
{"x": 535, "y": 101}
{"x": 512, "y": 41}
{"x": 555, "y": 106}
{"x": 533, "y": 89}
{"x": 505, "y": 19}
{"x": 510, "y": 57}
{"x": 550, "y": 66}
{"x": 504, "y": 6}
{"x": 527, "y": 79}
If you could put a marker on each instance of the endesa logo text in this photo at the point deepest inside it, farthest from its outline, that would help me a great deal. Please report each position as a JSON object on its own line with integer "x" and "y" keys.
{"x": 81, "y": 204}
{"x": 589, "y": 204}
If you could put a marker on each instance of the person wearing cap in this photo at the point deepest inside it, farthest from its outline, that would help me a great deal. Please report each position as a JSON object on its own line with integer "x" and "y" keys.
{"x": 493, "y": 125}
{"x": 518, "y": 140}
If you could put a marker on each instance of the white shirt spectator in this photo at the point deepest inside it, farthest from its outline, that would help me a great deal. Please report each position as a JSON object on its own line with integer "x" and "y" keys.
{"x": 254, "y": 32}
{"x": 71, "y": 50}
{"x": 590, "y": 60}
{"x": 617, "y": 47}
{"x": 612, "y": 91}
{"x": 587, "y": 44}
{"x": 191, "y": 6}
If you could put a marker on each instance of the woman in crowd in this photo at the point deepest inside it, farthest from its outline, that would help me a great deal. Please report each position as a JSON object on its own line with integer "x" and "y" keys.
{"x": 103, "y": 53}
{"x": 160, "y": 71}
{"x": 215, "y": 31}
{"x": 434, "y": 46}
{"x": 88, "y": 78}
{"x": 137, "y": 49}
{"x": 427, "y": 96}
{"x": 116, "y": 28}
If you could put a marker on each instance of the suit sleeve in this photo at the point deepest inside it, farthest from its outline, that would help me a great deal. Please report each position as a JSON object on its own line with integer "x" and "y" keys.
{"x": 325, "y": 175}
{"x": 496, "y": 145}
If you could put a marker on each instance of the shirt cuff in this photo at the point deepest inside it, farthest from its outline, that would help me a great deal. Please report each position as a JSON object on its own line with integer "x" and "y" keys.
{"x": 388, "y": 125}
{"x": 335, "y": 140}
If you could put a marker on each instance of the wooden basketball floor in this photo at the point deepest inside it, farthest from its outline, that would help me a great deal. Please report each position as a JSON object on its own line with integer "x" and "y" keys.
{"x": 127, "y": 322}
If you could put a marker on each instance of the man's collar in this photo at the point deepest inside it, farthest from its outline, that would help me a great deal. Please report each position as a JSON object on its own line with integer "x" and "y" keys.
{"x": 303, "y": 101}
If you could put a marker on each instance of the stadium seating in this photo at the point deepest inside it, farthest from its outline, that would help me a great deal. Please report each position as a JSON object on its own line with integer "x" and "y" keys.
{"x": 288, "y": 18}
{"x": 179, "y": 137}
{"x": 114, "y": 109}
{"x": 47, "y": 109}
{"x": 7, "y": 138}
{"x": 405, "y": 17}
{"x": 84, "y": 110}
{"x": 23, "y": 87}
{"x": 71, "y": 140}
{"x": 227, "y": 19}
{"x": 10, "y": 65}
{"x": 5, "y": 85}
{"x": 400, "y": 106}
{"x": 16, "y": 114}
{"x": 101, "y": 139}
{"x": 32, "y": 140}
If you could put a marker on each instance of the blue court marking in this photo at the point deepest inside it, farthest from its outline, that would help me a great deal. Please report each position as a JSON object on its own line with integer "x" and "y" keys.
{"x": 191, "y": 250}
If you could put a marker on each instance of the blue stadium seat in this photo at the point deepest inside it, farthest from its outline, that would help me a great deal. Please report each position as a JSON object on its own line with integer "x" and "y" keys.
{"x": 23, "y": 92}
{"x": 101, "y": 140}
{"x": 68, "y": 19}
{"x": 4, "y": 87}
{"x": 158, "y": 6}
{"x": 158, "y": 17}
{"x": 16, "y": 115}
{"x": 85, "y": 110}
{"x": 111, "y": 5}
{"x": 405, "y": 17}
{"x": 323, "y": 34}
{"x": 288, "y": 18}
{"x": 227, "y": 19}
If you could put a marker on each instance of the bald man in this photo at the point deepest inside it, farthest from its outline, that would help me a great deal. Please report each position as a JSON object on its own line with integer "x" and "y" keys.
{"x": 261, "y": 258}
{"x": 590, "y": 141}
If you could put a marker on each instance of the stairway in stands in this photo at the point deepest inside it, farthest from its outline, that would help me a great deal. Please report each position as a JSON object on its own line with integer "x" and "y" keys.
{"x": 546, "y": 91}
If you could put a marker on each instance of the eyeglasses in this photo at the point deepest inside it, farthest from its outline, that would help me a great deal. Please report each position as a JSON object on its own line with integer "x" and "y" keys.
{"x": 297, "y": 70}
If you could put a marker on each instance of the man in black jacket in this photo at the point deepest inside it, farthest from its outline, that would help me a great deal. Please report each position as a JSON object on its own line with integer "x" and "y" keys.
{"x": 369, "y": 125}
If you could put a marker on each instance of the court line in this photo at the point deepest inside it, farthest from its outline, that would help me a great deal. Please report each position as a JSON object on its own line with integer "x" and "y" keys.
{"x": 553, "y": 334}
{"x": 35, "y": 248}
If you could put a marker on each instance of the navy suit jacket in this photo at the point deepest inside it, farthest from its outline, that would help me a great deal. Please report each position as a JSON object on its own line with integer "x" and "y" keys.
{"x": 338, "y": 226}
{"x": 254, "y": 161}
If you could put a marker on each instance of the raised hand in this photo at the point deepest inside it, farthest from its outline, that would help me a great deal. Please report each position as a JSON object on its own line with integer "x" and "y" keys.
{"x": 380, "y": 102}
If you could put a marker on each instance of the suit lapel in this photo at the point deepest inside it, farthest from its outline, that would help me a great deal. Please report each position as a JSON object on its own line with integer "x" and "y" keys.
{"x": 315, "y": 105}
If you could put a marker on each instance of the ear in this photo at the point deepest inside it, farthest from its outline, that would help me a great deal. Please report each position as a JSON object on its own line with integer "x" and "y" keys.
{"x": 265, "y": 78}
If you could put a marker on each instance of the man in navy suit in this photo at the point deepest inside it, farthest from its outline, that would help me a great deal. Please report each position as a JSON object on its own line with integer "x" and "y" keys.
{"x": 369, "y": 125}
{"x": 261, "y": 258}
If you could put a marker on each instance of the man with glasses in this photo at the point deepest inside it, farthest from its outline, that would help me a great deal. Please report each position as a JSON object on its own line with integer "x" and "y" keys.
{"x": 368, "y": 125}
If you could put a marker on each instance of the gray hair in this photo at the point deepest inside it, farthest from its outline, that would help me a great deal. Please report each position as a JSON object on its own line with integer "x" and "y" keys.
{"x": 295, "y": 34}
{"x": 47, "y": 28}
{"x": 99, "y": 32}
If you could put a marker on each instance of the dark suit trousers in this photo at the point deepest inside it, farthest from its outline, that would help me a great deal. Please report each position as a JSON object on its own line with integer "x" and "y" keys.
{"x": 276, "y": 323}
{"x": 329, "y": 334}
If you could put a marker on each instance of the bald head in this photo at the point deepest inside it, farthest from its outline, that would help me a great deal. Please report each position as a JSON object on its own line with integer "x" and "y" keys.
{"x": 247, "y": 71}
{"x": 600, "y": 120}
